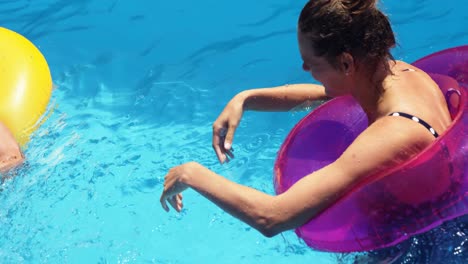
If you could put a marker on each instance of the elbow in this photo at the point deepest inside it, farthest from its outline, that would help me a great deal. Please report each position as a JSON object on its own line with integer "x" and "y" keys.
{"x": 273, "y": 219}
{"x": 269, "y": 226}
{"x": 269, "y": 232}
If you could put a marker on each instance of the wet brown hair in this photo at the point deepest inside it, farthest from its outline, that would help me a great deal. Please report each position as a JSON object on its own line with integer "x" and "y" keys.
{"x": 353, "y": 26}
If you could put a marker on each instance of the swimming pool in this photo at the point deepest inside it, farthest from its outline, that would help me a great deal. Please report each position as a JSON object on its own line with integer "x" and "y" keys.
{"x": 138, "y": 87}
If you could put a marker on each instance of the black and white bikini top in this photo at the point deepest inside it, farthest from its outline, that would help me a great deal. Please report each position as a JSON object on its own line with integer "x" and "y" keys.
{"x": 417, "y": 120}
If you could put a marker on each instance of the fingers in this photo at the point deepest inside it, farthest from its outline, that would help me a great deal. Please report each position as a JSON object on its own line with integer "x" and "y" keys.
{"x": 229, "y": 153}
{"x": 175, "y": 201}
{"x": 172, "y": 189}
{"x": 162, "y": 200}
{"x": 219, "y": 133}
{"x": 229, "y": 137}
{"x": 217, "y": 148}
{"x": 165, "y": 196}
{"x": 228, "y": 141}
{"x": 222, "y": 142}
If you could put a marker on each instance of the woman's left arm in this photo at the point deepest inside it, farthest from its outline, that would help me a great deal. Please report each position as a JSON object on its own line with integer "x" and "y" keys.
{"x": 386, "y": 143}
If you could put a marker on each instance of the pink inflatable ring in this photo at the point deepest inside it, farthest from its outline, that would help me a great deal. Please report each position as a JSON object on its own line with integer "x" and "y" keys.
{"x": 394, "y": 205}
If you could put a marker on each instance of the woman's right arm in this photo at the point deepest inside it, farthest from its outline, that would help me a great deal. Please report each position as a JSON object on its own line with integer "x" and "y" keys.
{"x": 281, "y": 98}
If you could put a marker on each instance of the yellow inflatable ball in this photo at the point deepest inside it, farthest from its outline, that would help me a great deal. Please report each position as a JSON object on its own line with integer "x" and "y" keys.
{"x": 25, "y": 85}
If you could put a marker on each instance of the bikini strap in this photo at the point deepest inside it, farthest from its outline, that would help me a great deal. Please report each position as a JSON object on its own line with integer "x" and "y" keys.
{"x": 417, "y": 120}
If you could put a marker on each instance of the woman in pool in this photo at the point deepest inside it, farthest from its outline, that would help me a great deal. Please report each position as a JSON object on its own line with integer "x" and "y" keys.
{"x": 10, "y": 153}
{"x": 345, "y": 45}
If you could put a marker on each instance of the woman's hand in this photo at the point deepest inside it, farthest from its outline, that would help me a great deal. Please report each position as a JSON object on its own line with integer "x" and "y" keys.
{"x": 175, "y": 183}
{"x": 10, "y": 152}
{"x": 225, "y": 126}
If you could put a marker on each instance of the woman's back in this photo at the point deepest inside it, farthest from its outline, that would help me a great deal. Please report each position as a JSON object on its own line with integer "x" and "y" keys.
{"x": 410, "y": 90}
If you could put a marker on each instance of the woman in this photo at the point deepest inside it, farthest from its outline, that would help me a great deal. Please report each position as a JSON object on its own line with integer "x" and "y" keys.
{"x": 10, "y": 153}
{"x": 345, "y": 45}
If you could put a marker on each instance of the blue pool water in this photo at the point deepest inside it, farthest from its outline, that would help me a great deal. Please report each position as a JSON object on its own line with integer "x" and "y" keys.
{"x": 139, "y": 84}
